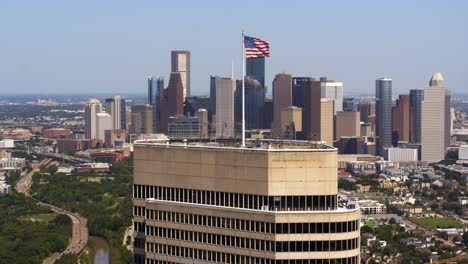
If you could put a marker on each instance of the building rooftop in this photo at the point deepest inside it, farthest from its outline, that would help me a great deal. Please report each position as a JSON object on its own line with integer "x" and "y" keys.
{"x": 251, "y": 144}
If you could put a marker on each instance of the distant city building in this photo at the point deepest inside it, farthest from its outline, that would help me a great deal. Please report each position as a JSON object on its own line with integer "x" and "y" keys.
{"x": 401, "y": 120}
{"x": 115, "y": 106}
{"x": 463, "y": 152}
{"x": 180, "y": 62}
{"x": 224, "y": 118}
{"x": 7, "y": 143}
{"x": 55, "y": 133}
{"x": 92, "y": 108}
{"x": 254, "y": 103}
{"x": 299, "y": 84}
{"x": 103, "y": 123}
{"x": 416, "y": 98}
{"x": 282, "y": 98}
{"x": 172, "y": 101}
{"x": 317, "y": 114}
{"x": 193, "y": 103}
{"x": 12, "y": 164}
{"x": 255, "y": 68}
{"x": 350, "y": 104}
{"x": 366, "y": 130}
{"x": 107, "y": 156}
{"x": 203, "y": 124}
{"x": 349, "y": 145}
{"x": 142, "y": 119}
{"x": 212, "y": 108}
{"x": 348, "y": 124}
{"x": 333, "y": 91}
{"x": 383, "y": 112}
{"x": 291, "y": 123}
{"x": 366, "y": 110}
{"x": 74, "y": 145}
{"x": 184, "y": 127}
{"x": 114, "y": 138}
{"x": 155, "y": 88}
{"x": 401, "y": 154}
{"x": 435, "y": 118}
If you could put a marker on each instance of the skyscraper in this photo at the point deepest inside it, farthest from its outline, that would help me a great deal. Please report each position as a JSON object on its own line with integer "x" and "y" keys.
{"x": 333, "y": 91}
{"x": 271, "y": 202}
{"x": 172, "y": 101}
{"x": 434, "y": 118}
{"x": 224, "y": 123}
{"x": 317, "y": 114}
{"x": 282, "y": 98}
{"x": 180, "y": 62}
{"x": 155, "y": 86}
{"x": 401, "y": 120}
{"x": 104, "y": 121}
{"x": 255, "y": 68}
{"x": 142, "y": 119}
{"x": 114, "y": 107}
{"x": 213, "y": 80}
{"x": 91, "y": 109}
{"x": 416, "y": 98}
{"x": 254, "y": 103}
{"x": 383, "y": 112}
{"x": 299, "y": 84}
{"x": 348, "y": 124}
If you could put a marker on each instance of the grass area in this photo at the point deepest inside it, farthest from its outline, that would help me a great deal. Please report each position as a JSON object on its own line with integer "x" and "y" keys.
{"x": 87, "y": 256}
{"x": 431, "y": 223}
{"x": 44, "y": 218}
{"x": 370, "y": 223}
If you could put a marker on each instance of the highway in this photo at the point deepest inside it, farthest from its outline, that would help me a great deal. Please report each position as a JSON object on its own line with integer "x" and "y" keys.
{"x": 79, "y": 229}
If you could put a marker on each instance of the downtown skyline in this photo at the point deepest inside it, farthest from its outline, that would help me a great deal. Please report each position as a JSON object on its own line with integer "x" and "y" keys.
{"x": 110, "y": 49}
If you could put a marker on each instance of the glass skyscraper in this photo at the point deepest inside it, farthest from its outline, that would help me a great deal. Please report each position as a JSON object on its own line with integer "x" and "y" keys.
{"x": 383, "y": 112}
{"x": 256, "y": 69}
{"x": 416, "y": 98}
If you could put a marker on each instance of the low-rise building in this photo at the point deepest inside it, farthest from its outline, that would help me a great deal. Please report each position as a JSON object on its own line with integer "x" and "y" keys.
{"x": 108, "y": 156}
{"x": 56, "y": 132}
{"x": 7, "y": 143}
{"x": 4, "y": 188}
{"x": 12, "y": 164}
{"x": 401, "y": 154}
{"x": 97, "y": 167}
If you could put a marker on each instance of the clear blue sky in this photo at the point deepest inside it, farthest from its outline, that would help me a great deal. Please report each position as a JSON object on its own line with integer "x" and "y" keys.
{"x": 81, "y": 46}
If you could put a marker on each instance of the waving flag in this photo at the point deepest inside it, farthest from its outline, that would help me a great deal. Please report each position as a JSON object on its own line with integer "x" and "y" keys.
{"x": 255, "y": 47}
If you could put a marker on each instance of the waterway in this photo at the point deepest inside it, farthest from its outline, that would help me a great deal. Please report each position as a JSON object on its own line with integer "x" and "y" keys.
{"x": 101, "y": 247}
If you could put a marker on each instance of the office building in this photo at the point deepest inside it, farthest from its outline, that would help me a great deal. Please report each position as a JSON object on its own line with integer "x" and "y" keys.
{"x": 202, "y": 115}
{"x": 255, "y": 68}
{"x": 348, "y": 124}
{"x": 172, "y": 101}
{"x": 416, "y": 98}
{"x": 434, "y": 118}
{"x": 92, "y": 107}
{"x": 267, "y": 113}
{"x": 401, "y": 154}
{"x": 196, "y": 202}
{"x": 186, "y": 127}
{"x": 155, "y": 87}
{"x": 142, "y": 119}
{"x": 104, "y": 122}
{"x": 366, "y": 110}
{"x": 401, "y": 120}
{"x": 212, "y": 109}
{"x": 333, "y": 91}
{"x": 349, "y": 145}
{"x": 114, "y": 138}
{"x": 366, "y": 130}
{"x": 282, "y": 98}
{"x": 317, "y": 114}
{"x": 383, "y": 112}
{"x": 254, "y": 104}
{"x": 180, "y": 62}
{"x": 115, "y": 107}
{"x": 224, "y": 118}
{"x": 350, "y": 104}
{"x": 193, "y": 103}
{"x": 299, "y": 84}
{"x": 291, "y": 123}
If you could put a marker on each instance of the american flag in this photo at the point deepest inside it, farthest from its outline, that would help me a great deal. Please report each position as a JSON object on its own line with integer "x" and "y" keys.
{"x": 255, "y": 47}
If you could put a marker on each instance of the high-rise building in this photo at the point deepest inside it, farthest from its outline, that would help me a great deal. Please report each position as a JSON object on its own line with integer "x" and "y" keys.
{"x": 223, "y": 204}
{"x": 317, "y": 114}
{"x": 350, "y": 104}
{"x": 202, "y": 115}
{"x": 104, "y": 122}
{"x": 212, "y": 109}
{"x": 224, "y": 118}
{"x": 115, "y": 106}
{"x": 255, "y": 68}
{"x": 366, "y": 109}
{"x": 383, "y": 112}
{"x": 172, "y": 101}
{"x": 92, "y": 107}
{"x": 254, "y": 103}
{"x": 333, "y": 91}
{"x": 299, "y": 84}
{"x": 401, "y": 120}
{"x": 282, "y": 98}
{"x": 142, "y": 119}
{"x": 416, "y": 98}
{"x": 291, "y": 123}
{"x": 155, "y": 87}
{"x": 348, "y": 124}
{"x": 180, "y": 62}
{"x": 435, "y": 118}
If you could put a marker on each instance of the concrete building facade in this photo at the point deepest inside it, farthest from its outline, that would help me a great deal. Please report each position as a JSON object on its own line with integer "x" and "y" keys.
{"x": 202, "y": 203}
{"x": 180, "y": 62}
{"x": 103, "y": 123}
{"x": 224, "y": 119}
{"x": 115, "y": 106}
{"x": 282, "y": 98}
{"x": 91, "y": 109}
{"x": 348, "y": 124}
{"x": 401, "y": 120}
{"x": 142, "y": 119}
{"x": 333, "y": 91}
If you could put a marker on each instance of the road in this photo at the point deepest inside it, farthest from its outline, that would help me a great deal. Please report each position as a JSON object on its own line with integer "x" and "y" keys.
{"x": 24, "y": 183}
{"x": 79, "y": 229}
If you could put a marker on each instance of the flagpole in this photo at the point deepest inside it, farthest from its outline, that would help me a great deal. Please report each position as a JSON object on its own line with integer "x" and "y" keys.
{"x": 243, "y": 89}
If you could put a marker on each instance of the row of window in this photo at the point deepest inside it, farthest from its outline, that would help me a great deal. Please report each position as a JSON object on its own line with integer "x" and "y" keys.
{"x": 249, "y": 243}
{"x": 247, "y": 225}
{"x": 220, "y": 257}
{"x": 237, "y": 200}
{"x": 352, "y": 260}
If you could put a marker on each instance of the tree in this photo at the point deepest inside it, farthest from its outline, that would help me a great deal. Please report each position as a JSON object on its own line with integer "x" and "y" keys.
{"x": 392, "y": 221}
